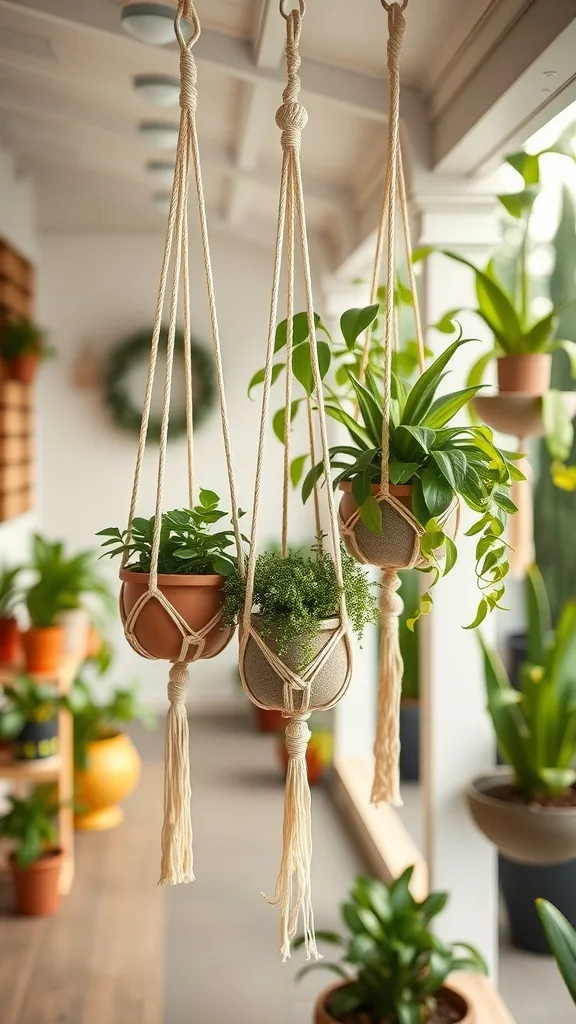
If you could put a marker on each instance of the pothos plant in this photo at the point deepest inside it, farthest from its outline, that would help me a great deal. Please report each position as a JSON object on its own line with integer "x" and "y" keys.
{"x": 187, "y": 545}
{"x": 505, "y": 305}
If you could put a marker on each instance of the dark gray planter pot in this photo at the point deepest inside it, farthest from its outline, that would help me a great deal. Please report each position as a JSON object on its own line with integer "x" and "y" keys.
{"x": 517, "y": 653}
{"x": 410, "y": 741}
{"x": 521, "y": 885}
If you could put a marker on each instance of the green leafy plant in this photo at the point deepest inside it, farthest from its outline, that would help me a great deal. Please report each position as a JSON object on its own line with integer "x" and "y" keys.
{"x": 561, "y": 938}
{"x": 293, "y": 595}
{"x": 186, "y": 544}
{"x": 393, "y": 964}
{"x": 20, "y": 337}
{"x": 74, "y": 579}
{"x": 10, "y": 593}
{"x": 25, "y": 702}
{"x": 439, "y": 462}
{"x": 97, "y": 721}
{"x": 30, "y": 824}
{"x": 536, "y": 726}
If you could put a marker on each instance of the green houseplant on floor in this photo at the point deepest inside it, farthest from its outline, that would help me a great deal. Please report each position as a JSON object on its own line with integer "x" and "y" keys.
{"x": 35, "y": 863}
{"x": 29, "y": 718}
{"x": 392, "y": 968}
{"x": 194, "y": 560}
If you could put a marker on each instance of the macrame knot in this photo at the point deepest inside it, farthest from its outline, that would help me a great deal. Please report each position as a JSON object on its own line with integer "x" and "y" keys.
{"x": 291, "y": 117}
{"x": 397, "y": 29}
{"x": 297, "y": 737}
{"x": 391, "y": 604}
{"x": 177, "y": 683}
{"x": 188, "y": 79}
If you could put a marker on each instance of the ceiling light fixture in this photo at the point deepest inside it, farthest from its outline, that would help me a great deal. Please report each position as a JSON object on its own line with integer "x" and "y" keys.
{"x": 149, "y": 23}
{"x": 159, "y": 90}
{"x": 160, "y": 134}
{"x": 162, "y": 171}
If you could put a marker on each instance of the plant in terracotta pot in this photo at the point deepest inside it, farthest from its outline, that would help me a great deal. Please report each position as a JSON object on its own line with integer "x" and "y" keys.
{"x": 296, "y": 606}
{"x": 393, "y": 968}
{"x": 561, "y": 938}
{"x": 10, "y": 596}
{"x": 43, "y": 641}
{"x": 29, "y": 718}
{"x": 529, "y": 809}
{"x": 193, "y": 562}
{"x": 23, "y": 345}
{"x": 432, "y": 465}
{"x": 36, "y": 861}
{"x": 107, "y": 764}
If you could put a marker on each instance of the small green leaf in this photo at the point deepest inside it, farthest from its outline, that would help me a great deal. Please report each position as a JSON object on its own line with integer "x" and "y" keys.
{"x": 258, "y": 377}
{"x": 355, "y": 321}
{"x": 279, "y": 419}
{"x": 300, "y": 330}
{"x": 297, "y": 468}
{"x": 208, "y": 499}
{"x": 371, "y": 515}
{"x": 517, "y": 204}
{"x": 483, "y": 609}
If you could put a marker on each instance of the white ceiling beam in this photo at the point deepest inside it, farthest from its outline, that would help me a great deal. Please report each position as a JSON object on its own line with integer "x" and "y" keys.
{"x": 256, "y": 115}
{"x": 269, "y": 35}
{"x": 508, "y": 85}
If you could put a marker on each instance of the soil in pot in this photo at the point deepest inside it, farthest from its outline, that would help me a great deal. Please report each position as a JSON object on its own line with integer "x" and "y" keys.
{"x": 509, "y": 794}
{"x": 197, "y": 599}
{"x": 10, "y": 643}
{"x": 36, "y": 887}
{"x": 43, "y": 649}
{"x": 526, "y": 374}
{"x": 36, "y": 741}
{"x": 112, "y": 773}
{"x": 521, "y": 885}
{"x": 450, "y": 1009}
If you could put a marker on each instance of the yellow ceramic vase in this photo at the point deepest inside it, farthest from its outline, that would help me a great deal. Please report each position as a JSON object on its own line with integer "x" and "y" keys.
{"x": 112, "y": 773}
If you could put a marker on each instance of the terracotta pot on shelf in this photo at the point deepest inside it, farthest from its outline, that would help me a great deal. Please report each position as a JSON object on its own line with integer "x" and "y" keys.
{"x": 10, "y": 642}
{"x": 22, "y": 368}
{"x": 112, "y": 773}
{"x": 397, "y": 547}
{"x": 526, "y": 374}
{"x": 528, "y": 833}
{"x": 323, "y": 1016}
{"x": 269, "y": 721}
{"x": 36, "y": 887}
{"x": 43, "y": 649}
{"x": 516, "y": 414}
{"x": 197, "y": 599}
{"x": 265, "y": 686}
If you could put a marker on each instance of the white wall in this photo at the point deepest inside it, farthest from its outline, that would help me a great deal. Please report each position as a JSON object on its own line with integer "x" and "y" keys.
{"x": 101, "y": 289}
{"x": 17, "y": 226}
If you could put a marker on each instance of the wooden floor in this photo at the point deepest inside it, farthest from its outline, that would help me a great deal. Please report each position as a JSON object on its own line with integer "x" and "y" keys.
{"x": 101, "y": 959}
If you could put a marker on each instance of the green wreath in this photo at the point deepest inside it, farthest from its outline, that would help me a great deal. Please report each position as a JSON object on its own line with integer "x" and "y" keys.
{"x": 120, "y": 402}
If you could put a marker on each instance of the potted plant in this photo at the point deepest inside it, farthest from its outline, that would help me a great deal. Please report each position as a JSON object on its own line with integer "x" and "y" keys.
{"x": 296, "y": 611}
{"x": 523, "y": 344}
{"x": 193, "y": 563}
{"x": 432, "y": 465}
{"x": 107, "y": 764}
{"x": 23, "y": 345}
{"x": 43, "y": 641}
{"x": 393, "y": 968}
{"x": 29, "y": 719}
{"x": 36, "y": 861}
{"x": 561, "y": 939}
{"x": 10, "y": 647}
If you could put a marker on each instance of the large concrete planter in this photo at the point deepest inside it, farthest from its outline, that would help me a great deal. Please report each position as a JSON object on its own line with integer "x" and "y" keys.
{"x": 527, "y": 833}
{"x": 322, "y": 1015}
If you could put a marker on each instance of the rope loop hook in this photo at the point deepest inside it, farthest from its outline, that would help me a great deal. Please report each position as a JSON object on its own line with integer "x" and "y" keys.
{"x": 286, "y": 14}
{"x": 402, "y": 4}
{"x": 187, "y": 12}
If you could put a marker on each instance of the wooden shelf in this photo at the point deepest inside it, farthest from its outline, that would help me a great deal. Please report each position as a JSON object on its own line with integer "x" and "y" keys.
{"x": 30, "y": 771}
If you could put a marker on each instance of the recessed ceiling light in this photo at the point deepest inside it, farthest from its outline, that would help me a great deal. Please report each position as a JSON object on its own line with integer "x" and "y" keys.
{"x": 150, "y": 23}
{"x": 160, "y": 90}
{"x": 161, "y": 171}
{"x": 161, "y": 200}
{"x": 160, "y": 134}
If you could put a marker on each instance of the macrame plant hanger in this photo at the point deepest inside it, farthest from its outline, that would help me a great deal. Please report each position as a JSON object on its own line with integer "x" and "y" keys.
{"x": 386, "y": 784}
{"x": 269, "y": 680}
{"x": 177, "y": 861}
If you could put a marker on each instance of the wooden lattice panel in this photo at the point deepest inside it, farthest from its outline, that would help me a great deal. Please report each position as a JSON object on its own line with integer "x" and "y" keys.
{"x": 16, "y": 284}
{"x": 16, "y": 449}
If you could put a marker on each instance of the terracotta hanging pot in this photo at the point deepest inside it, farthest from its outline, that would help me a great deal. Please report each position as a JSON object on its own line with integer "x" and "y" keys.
{"x": 36, "y": 741}
{"x": 398, "y": 546}
{"x": 112, "y": 773}
{"x": 43, "y": 649}
{"x": 10, "y": 642}
{"x": 446, "y": 997}
{"x": 527, "y": 832}
{"x": 516, "y": 414}
{"x": 265, "y": 686}
{"x": 526, "y": 374}
{"x": 36, "y": 887}
{"x": 196, "y": 599}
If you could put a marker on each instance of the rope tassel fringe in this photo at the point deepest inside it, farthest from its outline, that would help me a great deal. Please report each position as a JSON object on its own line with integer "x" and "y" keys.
{"x": 293, "y": 888}
{"x": 386, "y": 786}
{"x": 177, "y": 861}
